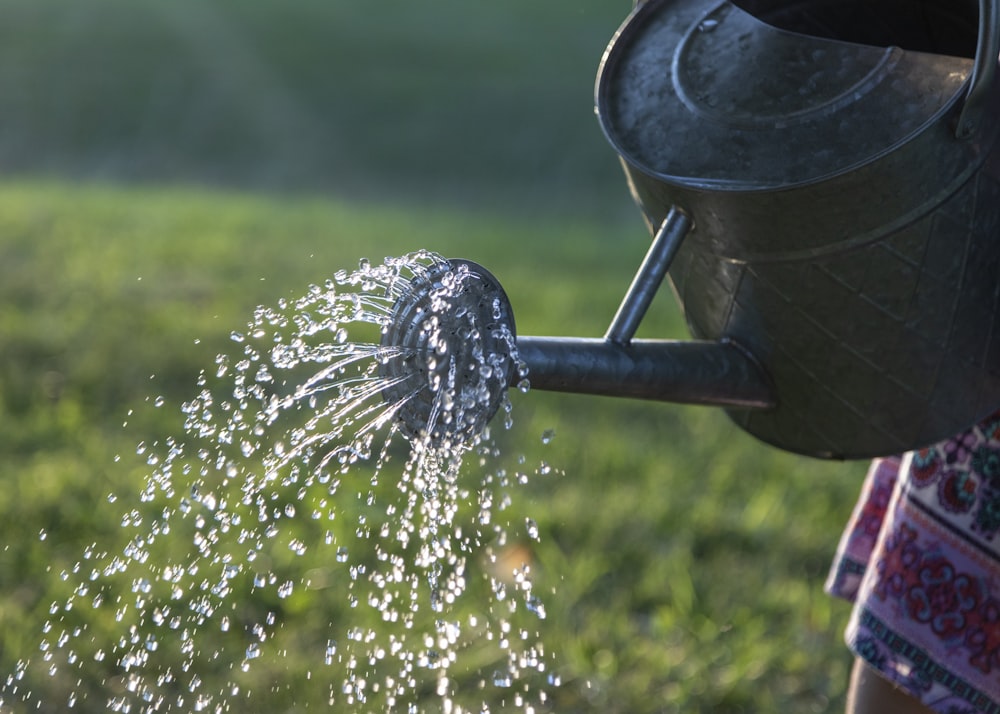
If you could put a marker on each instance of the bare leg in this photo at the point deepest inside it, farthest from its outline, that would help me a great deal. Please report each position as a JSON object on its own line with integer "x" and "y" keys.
{"x": 871, "y": 693}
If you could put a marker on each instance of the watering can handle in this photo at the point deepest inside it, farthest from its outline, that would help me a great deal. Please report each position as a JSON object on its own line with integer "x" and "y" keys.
{"x": 646, "y": 283}
{"x": 984, "y": 69}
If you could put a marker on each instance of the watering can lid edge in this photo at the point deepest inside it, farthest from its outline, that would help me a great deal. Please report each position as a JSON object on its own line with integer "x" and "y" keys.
{"x": 735, "y": 131}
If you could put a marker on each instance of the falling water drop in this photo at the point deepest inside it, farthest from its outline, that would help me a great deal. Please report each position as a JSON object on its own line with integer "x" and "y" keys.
{"x": 532, "y": 528}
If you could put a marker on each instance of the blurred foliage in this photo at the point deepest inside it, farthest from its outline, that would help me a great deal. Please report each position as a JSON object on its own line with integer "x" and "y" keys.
{"x": 410, "y": 99}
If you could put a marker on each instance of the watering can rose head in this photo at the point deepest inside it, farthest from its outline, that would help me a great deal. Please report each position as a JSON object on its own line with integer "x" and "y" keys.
{"x": 448, "y": 353}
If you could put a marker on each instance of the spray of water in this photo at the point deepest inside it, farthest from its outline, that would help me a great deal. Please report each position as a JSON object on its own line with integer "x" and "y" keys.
{"x": 299, "y": 485}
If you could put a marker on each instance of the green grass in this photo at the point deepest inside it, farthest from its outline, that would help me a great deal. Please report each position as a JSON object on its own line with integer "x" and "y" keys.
{"x": 681, "y": 561}
{"x": 170, "y": 166}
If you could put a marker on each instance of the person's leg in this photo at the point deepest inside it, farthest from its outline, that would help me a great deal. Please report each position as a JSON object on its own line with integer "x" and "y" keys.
{"x": 871, "y": 693}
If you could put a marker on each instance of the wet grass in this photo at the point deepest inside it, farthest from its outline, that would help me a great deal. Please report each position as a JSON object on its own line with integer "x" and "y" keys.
{"x": 169, "y": 166}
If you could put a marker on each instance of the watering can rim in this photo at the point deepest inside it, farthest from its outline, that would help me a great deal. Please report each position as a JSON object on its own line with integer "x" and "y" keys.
{"x": 972, "y": 95}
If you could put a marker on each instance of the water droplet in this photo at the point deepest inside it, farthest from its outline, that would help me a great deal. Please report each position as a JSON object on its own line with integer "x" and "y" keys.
{"x": 536, "y": 606}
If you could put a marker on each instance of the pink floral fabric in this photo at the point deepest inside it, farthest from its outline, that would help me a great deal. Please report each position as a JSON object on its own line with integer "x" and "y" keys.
{"x": 920, "y": 559}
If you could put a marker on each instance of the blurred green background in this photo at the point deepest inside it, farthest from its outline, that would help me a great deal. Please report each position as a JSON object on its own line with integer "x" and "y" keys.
{"x": 167, "y": 166}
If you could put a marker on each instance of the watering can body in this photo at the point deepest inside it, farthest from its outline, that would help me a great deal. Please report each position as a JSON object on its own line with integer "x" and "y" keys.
{"x": 825, "y": 204}
{"x": 843, "y": 208}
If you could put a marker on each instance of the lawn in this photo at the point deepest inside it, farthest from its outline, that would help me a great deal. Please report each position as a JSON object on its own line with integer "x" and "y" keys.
{"x": 171, "y": 167}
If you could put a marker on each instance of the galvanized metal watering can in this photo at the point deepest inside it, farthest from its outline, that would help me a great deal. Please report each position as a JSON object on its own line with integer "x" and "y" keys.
{"x": 823, "y": 185}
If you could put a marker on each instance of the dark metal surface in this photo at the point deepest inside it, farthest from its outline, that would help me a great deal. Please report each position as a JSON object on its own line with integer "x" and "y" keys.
{"x": 704, "y": 92}
{"x": 685, "y": 372}
{"x": 844, "y": 233}
{"x": 974, "y": 109}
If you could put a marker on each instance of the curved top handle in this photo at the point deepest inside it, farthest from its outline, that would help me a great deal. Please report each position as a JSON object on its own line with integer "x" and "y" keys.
{"x": 983, "y": 71}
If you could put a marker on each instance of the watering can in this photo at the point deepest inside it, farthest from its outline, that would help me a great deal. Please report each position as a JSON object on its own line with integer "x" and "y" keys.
{"x": 822, "y": 182}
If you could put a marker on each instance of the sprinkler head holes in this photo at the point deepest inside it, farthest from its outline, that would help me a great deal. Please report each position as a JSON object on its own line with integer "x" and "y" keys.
{"x": 449, "y": 352}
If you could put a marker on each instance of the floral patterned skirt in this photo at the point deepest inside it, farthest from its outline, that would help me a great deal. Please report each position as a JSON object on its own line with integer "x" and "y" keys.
{"x": 920, "y": 559}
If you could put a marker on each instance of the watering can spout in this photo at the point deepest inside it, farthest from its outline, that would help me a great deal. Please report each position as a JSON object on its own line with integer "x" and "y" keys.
{"x": 685, "y": 372}
{"x": 451, "y": 351}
